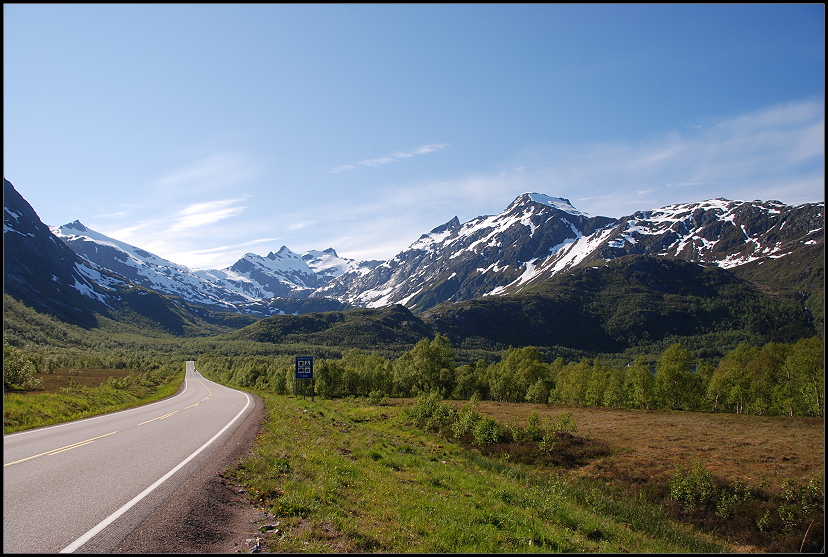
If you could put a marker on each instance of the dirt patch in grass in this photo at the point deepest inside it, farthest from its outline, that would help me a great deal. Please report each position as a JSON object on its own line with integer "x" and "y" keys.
{"x": 86, "y": 377}
{"x": 637, "y": 452}
{"x": 648, "y": 445}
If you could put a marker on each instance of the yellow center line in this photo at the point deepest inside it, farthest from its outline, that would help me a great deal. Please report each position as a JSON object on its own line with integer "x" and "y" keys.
{"x": 190, "y": 406}
{"x": 208, "y": 390}
{"x": 61, "y": 449}
{"x": 69, "y": 448}
{"x": 159, "y": 418}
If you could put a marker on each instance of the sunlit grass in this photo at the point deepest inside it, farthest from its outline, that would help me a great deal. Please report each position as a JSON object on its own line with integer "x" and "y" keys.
{"x": 342, "y": 476}
{"x": 29, "y": 410}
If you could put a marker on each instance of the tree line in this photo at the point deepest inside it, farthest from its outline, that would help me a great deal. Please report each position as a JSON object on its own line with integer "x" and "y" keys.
{"x": 777, "y": 379}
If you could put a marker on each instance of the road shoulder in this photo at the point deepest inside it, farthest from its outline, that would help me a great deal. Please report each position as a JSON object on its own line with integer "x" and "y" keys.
{"x": 207, "y": 513}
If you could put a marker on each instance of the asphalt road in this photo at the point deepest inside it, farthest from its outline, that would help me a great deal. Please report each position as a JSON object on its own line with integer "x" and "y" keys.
{"x": 85, "y": 485}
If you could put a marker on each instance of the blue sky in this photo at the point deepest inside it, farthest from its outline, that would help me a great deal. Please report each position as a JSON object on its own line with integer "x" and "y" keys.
{"x": 203, "y": 132}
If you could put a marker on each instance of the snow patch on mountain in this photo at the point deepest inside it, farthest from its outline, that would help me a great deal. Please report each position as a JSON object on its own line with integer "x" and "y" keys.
{"x": 557, "y": 202}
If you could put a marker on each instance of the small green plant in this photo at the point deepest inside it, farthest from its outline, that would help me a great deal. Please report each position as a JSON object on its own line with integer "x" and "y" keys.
{"x": 430, "y": 411}
{"x": 801, "y": 502}
{"x": 377, "y": 398}
{"x": 486, "y": 431}
{"x": 466, "y": 419}
{"x": 548, "y": 443}
{"x": 533, "y": 427}
{"x": 764, "y": 523}
{"x": 514, "y": 431}
{"x": 729, "y": 497}
{"x": 694, "y": 486}
{"x": 444, "y": 415}
{"x": 561, "y": 423}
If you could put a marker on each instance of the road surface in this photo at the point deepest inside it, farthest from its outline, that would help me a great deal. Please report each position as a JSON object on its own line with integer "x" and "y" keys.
{"x": 85, "y": 485}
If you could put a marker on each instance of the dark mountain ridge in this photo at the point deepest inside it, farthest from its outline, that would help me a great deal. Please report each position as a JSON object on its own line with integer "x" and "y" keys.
{"x": 42, "y": 272}
{"x": 635, "y": 302}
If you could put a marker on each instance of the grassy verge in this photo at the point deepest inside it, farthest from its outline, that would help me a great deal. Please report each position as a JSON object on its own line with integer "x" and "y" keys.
{"x": 342, "y": 476}
{"x": 28, "y": 410}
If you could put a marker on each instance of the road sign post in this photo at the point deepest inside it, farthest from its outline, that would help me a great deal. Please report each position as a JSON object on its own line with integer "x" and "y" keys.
{"x": 304, "y": 373}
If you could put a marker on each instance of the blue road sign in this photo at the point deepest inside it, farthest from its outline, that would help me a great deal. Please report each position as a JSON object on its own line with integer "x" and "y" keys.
{"x": 304, "y": 367}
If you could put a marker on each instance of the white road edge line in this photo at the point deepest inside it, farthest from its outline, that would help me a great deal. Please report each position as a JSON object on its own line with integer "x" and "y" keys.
{"x": 114, "y": 516}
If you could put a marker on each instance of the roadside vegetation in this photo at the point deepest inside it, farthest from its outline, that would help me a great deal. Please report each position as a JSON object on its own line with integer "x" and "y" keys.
{"x": 776, "y": 379}
{"x": 348, "y": 476}
{"x": 429, "y": 475}
{"x": 423, "y": 447}
{"x": 37, "y": 399}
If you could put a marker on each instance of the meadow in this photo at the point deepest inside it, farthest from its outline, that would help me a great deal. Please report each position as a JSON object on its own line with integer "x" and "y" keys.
{"x": 354, "y": 474}
{"x": 75, "y": 393}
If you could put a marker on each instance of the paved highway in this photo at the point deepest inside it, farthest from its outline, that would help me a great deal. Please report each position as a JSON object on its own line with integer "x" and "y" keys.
{"x": 84, "y": 485}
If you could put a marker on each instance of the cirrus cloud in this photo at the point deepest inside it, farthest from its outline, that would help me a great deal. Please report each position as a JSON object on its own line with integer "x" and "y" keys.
{"x": 393, "y": 157}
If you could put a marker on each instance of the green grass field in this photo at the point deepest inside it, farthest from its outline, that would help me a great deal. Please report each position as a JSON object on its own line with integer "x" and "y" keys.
{"x": 344, "y": 476}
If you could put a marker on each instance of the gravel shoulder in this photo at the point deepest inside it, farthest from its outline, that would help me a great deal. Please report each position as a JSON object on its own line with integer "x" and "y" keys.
{"x": 207, "y": 513}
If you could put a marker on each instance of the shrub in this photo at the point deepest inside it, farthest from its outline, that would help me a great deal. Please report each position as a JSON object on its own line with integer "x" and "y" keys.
{"x": 18, "y": 370}
{"x": 801, "y": 502}
{"x": 432, "y": 411}
{"x": 561, "y": 423}
{"x": 693, "y": 487}
{"x": 377, "y": 398}
{"x": 424, "y": 406}
{"x": 466, "y": 419}
{"x": 444, "y": 415}
{"x": 729, "y": 497}
{"x": 533, "y": 427}
{"x": 486, "y": 431}
{"x": 548, "y": 443}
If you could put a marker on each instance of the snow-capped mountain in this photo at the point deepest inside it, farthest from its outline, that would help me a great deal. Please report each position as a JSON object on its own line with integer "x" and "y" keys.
{"x": 249, "y": 285}
{"x": 533, "y": 239}
{"x": 328, "y": 265}
{"x": 44, "y": 273}
{"x": 146, "y": 269}
{"x": 717, "y": 232}
{"x": 461, "y": 261}
{"x": 538, "y": 236}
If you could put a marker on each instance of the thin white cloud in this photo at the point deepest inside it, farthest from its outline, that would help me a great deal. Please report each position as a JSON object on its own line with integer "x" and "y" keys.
{"x": 217, "y": 257}
{"x": 204, "y": 214}
{"x": 300, "y": 225}
{"x": 167, "y": 234}
{"x": 776, "y": 153}
{"x": 393, "y": 157}
{"x": 216, "y": 172}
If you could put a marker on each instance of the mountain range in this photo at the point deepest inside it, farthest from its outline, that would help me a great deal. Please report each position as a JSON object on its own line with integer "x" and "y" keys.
{"x": 535, "y": 238}
{"x": 253, "y": 284}
{"x": 537, "y": 246}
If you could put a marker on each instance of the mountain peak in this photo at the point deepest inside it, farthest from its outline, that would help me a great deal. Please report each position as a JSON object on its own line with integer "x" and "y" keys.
{"x": 559, "y": 203}
{"x": 548, "y": 200}
{"x": 453, "y": 224}
{"x": 75, "y": 225}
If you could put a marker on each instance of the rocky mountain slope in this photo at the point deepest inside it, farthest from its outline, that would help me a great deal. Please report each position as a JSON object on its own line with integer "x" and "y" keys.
{"x": 255, "y": 284}
{"x": 538, "y": 237}
{"x": 463, "y": 261}
{"x": 43, "y": 273}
